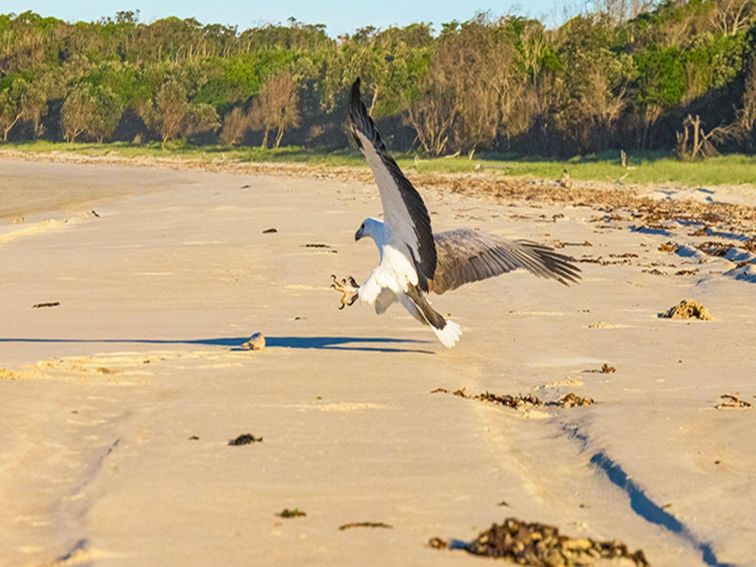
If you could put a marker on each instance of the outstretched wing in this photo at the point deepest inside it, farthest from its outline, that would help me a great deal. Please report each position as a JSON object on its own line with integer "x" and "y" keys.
{"x": 404, "y": 212}
{"x": 467, "y": 255}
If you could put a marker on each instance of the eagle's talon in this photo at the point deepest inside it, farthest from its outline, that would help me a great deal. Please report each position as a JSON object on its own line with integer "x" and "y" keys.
{"x": 348, "y": 288}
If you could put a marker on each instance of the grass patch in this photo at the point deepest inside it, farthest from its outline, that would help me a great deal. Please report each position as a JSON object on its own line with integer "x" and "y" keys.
{"x": 644, "y": 168}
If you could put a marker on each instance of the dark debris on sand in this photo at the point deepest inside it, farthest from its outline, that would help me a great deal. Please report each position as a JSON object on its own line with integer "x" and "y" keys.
{"x": 292, "y": 513}
{"x": 605, "y": 369}
{"x": 321, "y": 246}
{"x": 573, "y": 400}
{"x": 538, "y": 544}
{"x": 587, "y": 259}
{"x": 714, "y": 248}
{"x": 732, "y": 402}
{"x": 438, "y": 543}
{"x": 520, "y": 400}
{"x": 669, "y": 246}
{"x": 48, "y": 304}
{"x": 507, "y": 400}
{"x": 245, "y": 439}
{"x": 351, "y": 525}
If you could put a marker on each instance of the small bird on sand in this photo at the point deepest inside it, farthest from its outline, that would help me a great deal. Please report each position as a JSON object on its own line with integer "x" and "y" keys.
{"x": 255, "y": 342}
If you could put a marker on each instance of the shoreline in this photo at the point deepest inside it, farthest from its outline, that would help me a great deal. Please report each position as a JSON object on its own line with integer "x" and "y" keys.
{"x": 733, "y": 204}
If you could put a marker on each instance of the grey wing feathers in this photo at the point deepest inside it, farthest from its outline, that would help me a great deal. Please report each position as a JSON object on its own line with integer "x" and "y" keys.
{"x": 466, "y": 256}
{"x": 364, "y": 130}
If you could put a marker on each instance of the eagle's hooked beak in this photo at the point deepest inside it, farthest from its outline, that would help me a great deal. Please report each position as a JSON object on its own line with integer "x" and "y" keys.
{"x": 359, "y": 234}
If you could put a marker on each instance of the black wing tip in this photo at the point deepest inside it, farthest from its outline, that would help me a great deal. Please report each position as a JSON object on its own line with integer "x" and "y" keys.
{"x": 355, "y": 99}
{"x": 564, "y": 271}
{"x": 357, "y": 111}
{"x": 559, "y": 267}
{"x": 360, "y": 120}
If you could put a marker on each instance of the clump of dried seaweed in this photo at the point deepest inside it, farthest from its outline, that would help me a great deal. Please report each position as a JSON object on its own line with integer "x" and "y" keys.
{"x": 525, "y": 543}
{"x": 507, "y": 400}
{"x": 244, "y": 439}
{"x": 292, "y": 513}
{"x": 351, "y": 525}
{"x": 520, "y": 400}
{"x": 573, "y": 400}
{"x": 713, "y": 248}
{"x": 605, "y": 369}
{"x": 669, "y": 246}
{"x": 687, "y": 309}
{"x": 732, "y": 402}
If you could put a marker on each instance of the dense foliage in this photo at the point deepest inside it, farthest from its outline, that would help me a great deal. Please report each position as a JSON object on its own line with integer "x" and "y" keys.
{"x": 607, "y": 79}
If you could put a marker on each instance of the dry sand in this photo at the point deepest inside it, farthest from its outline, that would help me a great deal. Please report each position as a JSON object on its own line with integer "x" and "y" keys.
{"x": 118, "y": 404}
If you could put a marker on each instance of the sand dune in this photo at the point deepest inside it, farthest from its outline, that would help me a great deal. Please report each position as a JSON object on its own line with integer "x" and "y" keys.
{"x": 118, "y": 403}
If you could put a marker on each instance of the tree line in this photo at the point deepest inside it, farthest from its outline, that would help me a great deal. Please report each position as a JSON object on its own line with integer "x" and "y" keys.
{"x": 626, "y": 75}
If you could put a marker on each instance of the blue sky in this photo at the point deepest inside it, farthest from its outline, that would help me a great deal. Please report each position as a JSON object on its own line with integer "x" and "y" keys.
{"x": 339, "y": 16}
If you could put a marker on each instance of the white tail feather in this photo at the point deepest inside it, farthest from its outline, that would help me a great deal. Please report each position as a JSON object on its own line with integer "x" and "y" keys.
{"x": 449, "y": 335}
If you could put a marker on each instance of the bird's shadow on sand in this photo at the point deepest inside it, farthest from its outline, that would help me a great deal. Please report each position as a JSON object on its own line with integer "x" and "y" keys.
{"x": 362, "y": 344}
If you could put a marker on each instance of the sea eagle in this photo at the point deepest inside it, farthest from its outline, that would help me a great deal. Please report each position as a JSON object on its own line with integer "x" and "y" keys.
{"x": 413, "y": 260}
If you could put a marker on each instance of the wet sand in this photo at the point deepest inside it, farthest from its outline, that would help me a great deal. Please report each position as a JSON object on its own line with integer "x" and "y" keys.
{"x": 119, "y": 403}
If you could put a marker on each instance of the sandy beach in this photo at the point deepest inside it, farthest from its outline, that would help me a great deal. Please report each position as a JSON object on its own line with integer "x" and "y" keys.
{"x": 119, "y": 402}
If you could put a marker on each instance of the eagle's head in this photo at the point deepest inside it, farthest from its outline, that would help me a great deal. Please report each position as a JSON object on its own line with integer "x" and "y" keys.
{"x": 371, "y": 227}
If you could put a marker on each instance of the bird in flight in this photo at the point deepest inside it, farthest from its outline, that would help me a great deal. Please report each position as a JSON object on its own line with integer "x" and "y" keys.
{"x": 414, "y": 261}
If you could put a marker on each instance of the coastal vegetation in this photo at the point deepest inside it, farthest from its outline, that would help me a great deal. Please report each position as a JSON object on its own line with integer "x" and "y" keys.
{"x": 677, "y": 77}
